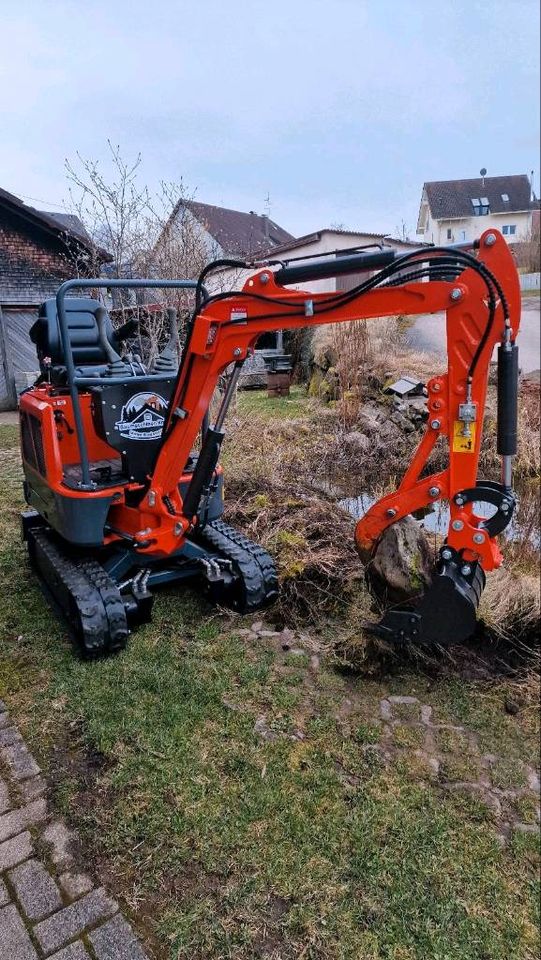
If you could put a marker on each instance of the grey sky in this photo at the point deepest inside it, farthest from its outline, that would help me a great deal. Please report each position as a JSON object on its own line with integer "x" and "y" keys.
{"x": 339, "y": 109}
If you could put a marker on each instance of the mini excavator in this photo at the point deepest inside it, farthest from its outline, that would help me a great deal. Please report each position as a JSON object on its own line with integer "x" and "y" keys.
{"x": 120, "y": 502}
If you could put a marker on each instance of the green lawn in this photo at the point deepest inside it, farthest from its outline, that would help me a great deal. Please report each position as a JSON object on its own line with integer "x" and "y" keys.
{"x": 259, "y": 405}
{"x": 305, "y": 842}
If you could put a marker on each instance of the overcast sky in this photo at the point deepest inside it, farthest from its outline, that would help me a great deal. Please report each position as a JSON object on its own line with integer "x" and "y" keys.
{"x": 339, "y": 110}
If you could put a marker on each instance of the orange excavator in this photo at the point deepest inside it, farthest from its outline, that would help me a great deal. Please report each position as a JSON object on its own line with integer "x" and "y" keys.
{"x": 120, "y": 503}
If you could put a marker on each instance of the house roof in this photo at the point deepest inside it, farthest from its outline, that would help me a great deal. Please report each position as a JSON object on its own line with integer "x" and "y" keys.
{"x": 238, "y": 233}
{"x": 451, "y": 199}
{"x": 60, "y": 225}
{"x": 310, "y": 238}
{"x": 69, "y": 222}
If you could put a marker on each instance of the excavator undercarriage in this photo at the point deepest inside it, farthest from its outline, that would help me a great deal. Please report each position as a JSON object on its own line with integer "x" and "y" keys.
{"x": 120, "y": 502}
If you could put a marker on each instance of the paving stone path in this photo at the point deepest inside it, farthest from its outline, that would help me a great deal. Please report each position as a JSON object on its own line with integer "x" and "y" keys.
{"x": 48, "y": 907}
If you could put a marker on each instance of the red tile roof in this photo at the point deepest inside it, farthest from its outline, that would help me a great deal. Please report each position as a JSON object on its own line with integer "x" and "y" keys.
{"x": 238, "y": 233}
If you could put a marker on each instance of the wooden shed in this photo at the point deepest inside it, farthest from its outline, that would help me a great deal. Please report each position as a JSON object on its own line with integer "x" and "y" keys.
{"x": 38, "y": 250}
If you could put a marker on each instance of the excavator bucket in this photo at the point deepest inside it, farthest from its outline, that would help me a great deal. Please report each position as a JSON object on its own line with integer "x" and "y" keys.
{"x": 444, "y": 615}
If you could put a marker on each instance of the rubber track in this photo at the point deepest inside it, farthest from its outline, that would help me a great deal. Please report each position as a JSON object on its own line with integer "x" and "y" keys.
{"x": 255, "y": 565}
{"x": 102, "y": 628}
{"x": 118, "y": 632}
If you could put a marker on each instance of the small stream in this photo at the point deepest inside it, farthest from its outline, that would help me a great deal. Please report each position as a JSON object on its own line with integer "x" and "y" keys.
{"x": 435, "y": 517}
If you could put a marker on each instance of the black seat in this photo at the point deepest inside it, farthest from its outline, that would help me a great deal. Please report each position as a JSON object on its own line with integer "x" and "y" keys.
{"x": 83, "y": 333}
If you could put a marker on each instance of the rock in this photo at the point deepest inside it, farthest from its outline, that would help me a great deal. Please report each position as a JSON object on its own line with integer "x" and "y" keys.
{"x": 374, "y": 381}
{"x": 325, "y": 354}
{"x": 357, "y": 442}
{"x": 402, "y": 563}
{"x": 263, "y": 730}
{"x": 417, "y": 407}
{"x": 369, "y": 417}
{"x": 402, "y": 422}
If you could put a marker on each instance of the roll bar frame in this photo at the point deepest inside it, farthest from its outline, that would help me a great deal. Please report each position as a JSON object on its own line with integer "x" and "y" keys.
{"x": 73, "y": 380}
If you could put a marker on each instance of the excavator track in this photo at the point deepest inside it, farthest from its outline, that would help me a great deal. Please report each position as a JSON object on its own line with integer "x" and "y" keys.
{"x": 112, "y": 601}
{"x": 254, "y": 566}
{"x": 82, "y": 593}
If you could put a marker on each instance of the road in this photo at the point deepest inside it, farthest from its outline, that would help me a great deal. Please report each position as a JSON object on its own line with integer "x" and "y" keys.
{"x": 428, "y": 333}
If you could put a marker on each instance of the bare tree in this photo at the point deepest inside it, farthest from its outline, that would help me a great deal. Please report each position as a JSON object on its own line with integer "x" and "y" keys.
{"x": 146, "y": 233}
{"x": 528, "y": 252}
{"x": 402, "y": 231}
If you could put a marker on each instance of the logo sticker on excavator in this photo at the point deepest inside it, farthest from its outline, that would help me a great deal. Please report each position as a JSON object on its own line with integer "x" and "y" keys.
{"x": 462, "y": 444}
{"x": 142, "y": 417}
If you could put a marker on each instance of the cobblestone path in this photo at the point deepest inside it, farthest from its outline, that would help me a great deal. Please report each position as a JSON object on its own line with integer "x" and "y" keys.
{"x": 48, "y": 907}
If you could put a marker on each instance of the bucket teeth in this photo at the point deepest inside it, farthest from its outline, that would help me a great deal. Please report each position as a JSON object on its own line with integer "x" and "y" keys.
{"x": 445, "y": 614}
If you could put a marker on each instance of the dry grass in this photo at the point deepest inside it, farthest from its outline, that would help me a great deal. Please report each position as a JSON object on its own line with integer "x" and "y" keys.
{"x": 287, "y": 463}
{"x": 511, "y": 608}
{"x": 351, "y": 346}
{"x": 312, "y": 541}
{"x": 283, "y": 479}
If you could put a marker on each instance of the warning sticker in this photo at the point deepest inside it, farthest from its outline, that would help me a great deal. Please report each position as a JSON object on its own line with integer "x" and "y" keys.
{"x": 462, "y": 444}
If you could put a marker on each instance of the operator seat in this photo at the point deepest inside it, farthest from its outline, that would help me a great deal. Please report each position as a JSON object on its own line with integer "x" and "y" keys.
{"x": 89, "y": 356}
{"x": 128, "y": 406}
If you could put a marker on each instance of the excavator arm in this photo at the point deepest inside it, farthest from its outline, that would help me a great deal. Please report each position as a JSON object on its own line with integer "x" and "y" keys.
{"x": 479, "y": 292}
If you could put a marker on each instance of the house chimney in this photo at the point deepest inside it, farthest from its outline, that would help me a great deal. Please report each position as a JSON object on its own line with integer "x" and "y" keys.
{"x": 532, "y": 191}
{"x": 483, "y": 172}
{"x": 265, "y": 226}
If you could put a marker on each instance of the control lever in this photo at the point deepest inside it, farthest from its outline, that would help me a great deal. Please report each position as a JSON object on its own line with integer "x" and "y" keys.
{"x": 167, "y": 359}
{"x": 115, "y": 366}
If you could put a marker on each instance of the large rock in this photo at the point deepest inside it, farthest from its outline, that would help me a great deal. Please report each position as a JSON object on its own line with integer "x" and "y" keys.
{"x": 402, "y": 563}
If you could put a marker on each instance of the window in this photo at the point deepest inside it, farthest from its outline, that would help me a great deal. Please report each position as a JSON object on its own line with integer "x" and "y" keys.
{"x": 481, "y": 207}
{"x": 449, "y": 233}
{"x": 509, "y": 229}
{"x": 462, "y": 234}
{"x": 505, "y": 197}
{"x": 512, "y": 229}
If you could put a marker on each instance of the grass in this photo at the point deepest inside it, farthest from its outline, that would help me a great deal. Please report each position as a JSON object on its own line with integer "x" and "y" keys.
{"x": 302, "y": 842}
{"x": 258, "y": 404}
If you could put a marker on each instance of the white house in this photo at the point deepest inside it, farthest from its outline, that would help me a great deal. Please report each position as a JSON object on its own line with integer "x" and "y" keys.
{"x": 335, "y": 243}
{"x": 454, "y": 211}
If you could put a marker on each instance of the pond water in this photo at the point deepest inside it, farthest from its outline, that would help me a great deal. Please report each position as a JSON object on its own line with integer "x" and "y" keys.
{"x": 435, "y": 517}
{"x": 427, "y": 332}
